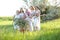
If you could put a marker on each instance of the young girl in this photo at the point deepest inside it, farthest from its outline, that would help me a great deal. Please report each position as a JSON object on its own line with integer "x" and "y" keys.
{"x": 20, "y": 15}
{"x": 37, "y": 19}
{"x": 16, "y": 16}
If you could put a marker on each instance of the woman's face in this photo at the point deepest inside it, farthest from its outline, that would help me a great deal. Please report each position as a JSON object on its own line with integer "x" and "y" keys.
{"x": 32, "y": 8}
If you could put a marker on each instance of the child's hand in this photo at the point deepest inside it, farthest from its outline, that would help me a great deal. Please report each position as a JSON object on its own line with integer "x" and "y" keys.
{"x": 24, "y": 17}
{"x": 30, "y": 16}
{"x": 37, "y": 14}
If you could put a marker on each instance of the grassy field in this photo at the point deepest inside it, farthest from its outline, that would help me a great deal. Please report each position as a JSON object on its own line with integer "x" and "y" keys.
{"x": 49, "y": 31}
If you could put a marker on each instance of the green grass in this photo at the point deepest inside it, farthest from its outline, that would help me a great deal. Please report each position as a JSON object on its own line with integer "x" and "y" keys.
{"x": 49, "y": 31}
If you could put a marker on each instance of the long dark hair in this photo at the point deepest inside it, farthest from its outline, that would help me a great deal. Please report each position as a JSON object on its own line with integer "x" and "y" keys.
{"x": 21, "y": 10}
{"x": 37, "y": 7}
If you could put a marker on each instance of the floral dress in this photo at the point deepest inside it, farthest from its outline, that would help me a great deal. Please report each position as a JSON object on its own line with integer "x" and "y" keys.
{"x": 21, "y": 15}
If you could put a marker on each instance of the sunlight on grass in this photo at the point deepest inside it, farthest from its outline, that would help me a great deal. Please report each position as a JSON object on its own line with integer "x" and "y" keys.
{"x": 49, "y": 31}
{"x": 6, "y": 22}
{"x": 51, "y": 24}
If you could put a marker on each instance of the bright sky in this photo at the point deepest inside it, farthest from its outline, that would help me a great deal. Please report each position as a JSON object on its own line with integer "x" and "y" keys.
{"x": 9, "y": 7}
{"x": 52, "y": 2}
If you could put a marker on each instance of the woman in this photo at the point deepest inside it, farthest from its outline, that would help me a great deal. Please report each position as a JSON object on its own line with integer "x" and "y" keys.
{"x": 31, "y": 20}
{"x": 37, "y": 19}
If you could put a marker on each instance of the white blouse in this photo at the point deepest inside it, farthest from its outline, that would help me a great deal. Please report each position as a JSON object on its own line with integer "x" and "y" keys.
{"x": 21, "y": 15}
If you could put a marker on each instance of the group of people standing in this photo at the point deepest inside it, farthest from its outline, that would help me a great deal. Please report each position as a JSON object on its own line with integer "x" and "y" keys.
{"x": 32, "y": 15}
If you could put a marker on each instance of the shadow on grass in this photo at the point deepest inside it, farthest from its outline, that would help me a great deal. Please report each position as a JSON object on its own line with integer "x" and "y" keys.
{"x": 7, "y": 28}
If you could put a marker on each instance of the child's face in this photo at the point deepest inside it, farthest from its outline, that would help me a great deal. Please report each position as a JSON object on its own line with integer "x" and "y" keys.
{"x": 17, "y": 12}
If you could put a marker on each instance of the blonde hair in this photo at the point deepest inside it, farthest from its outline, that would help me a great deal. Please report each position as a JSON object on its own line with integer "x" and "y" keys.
{"x": 32, "y": 7}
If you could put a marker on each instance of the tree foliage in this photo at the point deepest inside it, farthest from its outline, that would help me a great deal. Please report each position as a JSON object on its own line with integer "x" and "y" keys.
{"x": 48, "y": 12}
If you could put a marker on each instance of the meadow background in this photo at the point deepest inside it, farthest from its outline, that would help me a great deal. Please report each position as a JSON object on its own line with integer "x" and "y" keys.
{"x": 50, "y": 30}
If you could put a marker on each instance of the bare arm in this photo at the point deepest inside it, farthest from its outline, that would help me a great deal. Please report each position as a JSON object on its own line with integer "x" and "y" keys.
{"x": 13, "y": 17}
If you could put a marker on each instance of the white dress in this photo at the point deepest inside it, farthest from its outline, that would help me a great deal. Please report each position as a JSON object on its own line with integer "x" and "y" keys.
{"x": 36, "y": 21}
{"x": 30, "y": 20}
